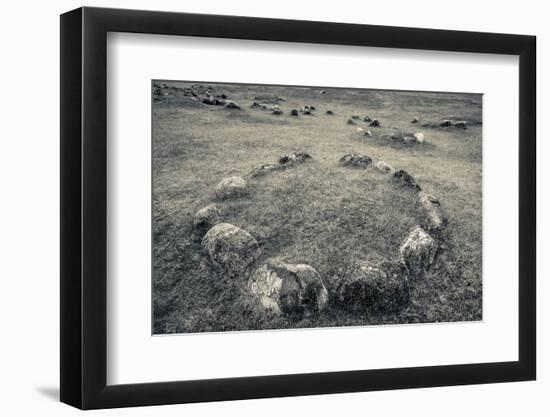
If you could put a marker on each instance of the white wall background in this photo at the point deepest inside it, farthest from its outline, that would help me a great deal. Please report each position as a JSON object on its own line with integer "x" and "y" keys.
{"x": 29, "y": 225}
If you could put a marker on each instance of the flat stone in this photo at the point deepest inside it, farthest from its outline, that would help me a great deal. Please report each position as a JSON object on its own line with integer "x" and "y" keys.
{"x": 383, "y": 167}
{"x": 355, "y": 161}
{"x": 376, "y": 285}
{"x": 294, "y": 158}
{"x": 263, "y": 169}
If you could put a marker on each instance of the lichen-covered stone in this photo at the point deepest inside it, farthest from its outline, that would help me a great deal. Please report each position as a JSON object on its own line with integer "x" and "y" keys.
{"x": 383, "y": 167}
{"x": 377, "y": 285}
{"x": 231, "y": 250}
{"x": 405, "y": 179}
{"x": 418, "y": 251}
{"x": 432, "y": 216}
{"x": 207, "y": 217}
{"x": 292, "y": 289}
{"x": 355, "y": 161}
{"x": 232, "y": 187}
{"x": 294, "y": 158}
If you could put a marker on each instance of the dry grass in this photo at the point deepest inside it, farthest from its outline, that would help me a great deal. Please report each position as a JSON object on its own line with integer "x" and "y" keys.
{"x": 317, "y": 213}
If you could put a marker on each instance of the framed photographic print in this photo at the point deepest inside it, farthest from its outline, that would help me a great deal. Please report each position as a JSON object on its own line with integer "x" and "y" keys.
{"x": 256, "y": 208}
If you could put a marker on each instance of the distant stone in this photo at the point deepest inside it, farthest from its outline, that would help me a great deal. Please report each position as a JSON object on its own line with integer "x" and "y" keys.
{"x": 306, "y": 110}
{"x": 383, "y": 167}
{"x": 418, "y": 251}
{"x": 368, "y": 133}
{"x": 292, "y": 289}
{"x": 360, "y": 129}
{"x": 377, "y": 285}
{"x": 408, "y": 139}
{"x": 415, "y": 120}
{"x": 232, "y": 187}
{"x": 446, "y": 123}
{"x": 419, "y": 136}
{"x": 367, "y": 119}
{"x": 207, "y": 217}
{"x": 231, "y": 250}
{"x": 294, "y": 112}
{"x": 355, "y": 116}
{"x": 350, "y": 122}
{"x": 277, "y": 112}
{"x": 322, "y": 92}
{"x": 375, "y": 123}
{"x": 262, "y": 169}
{"x": 293, "y": 158}
{"x": 432, "y": 216}
{"x": 213, "y": 101}
{"x": 404, "y": 179}
{"x": 355, "y": 161}
{"x": 330, "y": 112}
{"x": 462, "y": 124}
{"x": 231, "y": 105}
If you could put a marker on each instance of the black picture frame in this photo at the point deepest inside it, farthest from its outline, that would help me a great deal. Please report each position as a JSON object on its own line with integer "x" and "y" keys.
{"x": 84, "y": 207}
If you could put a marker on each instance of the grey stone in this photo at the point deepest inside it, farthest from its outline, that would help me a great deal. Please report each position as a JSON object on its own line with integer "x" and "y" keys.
{"x": 405, "y": 179}
{"x": 383, "y": 167}
{"x": 293, "y": 289}
{"x": 263, "y": 169}
{"x": 231, "y": 105}
{"x": 375, "y": 123}
{"x": 418, "y": 251}
{"x": 232, "y": 187}
{"x": 207, "y": 217}
{"x": 294, "y": 158}
{"x": 432, "y": 216}
{"x": 231, "y": 250}
{"x": 355, "y": 161}
{"x": 378, "y": 285}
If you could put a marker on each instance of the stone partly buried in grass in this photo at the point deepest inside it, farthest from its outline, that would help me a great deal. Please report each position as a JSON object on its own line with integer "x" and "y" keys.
{"x": 404, "y": 179}
{"x": 377, "y": 285}
{"x": 207, "y": 217}
{"x": 232, "y": 187}
{"x": 418, "y": 251}
{"x": 293, "y": 289}
{"x": 231, "y": 250}
{"x": 294, "y": 158}
{"x": 383, "y": 167}
{"x": 355, "y": 161}
{"x": 263, "y": 169}
{"x": 432, "y": 216}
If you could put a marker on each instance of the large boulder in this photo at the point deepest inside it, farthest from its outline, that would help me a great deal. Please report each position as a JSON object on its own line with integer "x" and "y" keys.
{"x": 231, "y": 249}
{"x": 293, "y": 289}
{"x": 355, "y": 161}
{"x": 432, "y": 216}
{"x": 418, "y": 251}
{"x": 378, "y": 285}
{"x": 232, "y": 187}
{"x": 207, "y": 217}
{"x": 404, "y": 179}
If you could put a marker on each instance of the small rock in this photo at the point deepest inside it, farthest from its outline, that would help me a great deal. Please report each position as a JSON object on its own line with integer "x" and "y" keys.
{"x": 355, "y": 116}
{"x": 463, "y": 124}
{"x": 232, "y": 187}
{"x": 262, "y": 170}
{"x": 418, "y": 251}
{"x": 294, "y": 112}
{"x": 322, "y": 92}
{"x": 415, "y": 120}
{"x": 306, "y": 110}
{"x": 404, "y": 179}
{"x": 375, "y": 123}
{"x": 409, "y": 139}
{"x": 330, "y": 112}
{"x": 368, "y": 133}
{"x": 377, "y": 285}
{"x": 432, "y": 216}
{"x": 446, "y": 123}
{"x": 293, "y": 289}
{"x": 277, "y": 112}
{"x": 350, "y": 122}
{"x": 419, "y": 136}
{"x": 294, "y": 157}
{"x": 383, "y": 167}
{"x": 231, "y": 105}
{"x": 207, "y": 217}
{"x": 360, "y": 129}
{"x": 367, "y": 119}
{"x": 213, "y": 101}
{"x": 355, "y": 161}
{"x": 231, "y": 249}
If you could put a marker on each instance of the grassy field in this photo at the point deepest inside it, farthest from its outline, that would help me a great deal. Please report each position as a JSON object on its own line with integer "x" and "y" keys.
{"x": 317, "y": 213}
